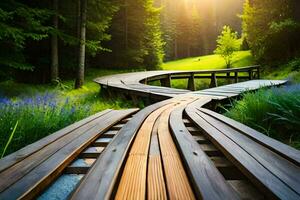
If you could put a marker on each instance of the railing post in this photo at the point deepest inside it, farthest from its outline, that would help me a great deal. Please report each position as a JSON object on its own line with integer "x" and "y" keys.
{"x": 258, "y": 72}
{"x": 144, "y": 81}
{"x": 213, "y": 82}
{"x": 236, "y": 77}
{"x": 166, "y": 82}
{"x": 191, "y": 82}
{"x": 250, "y": 74}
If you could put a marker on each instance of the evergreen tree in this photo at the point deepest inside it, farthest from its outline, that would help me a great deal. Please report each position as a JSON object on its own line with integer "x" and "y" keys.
{"x": 153, "y": 38}
{"x": 19, "y": 24}
{"x": 273, "y": 36}
{"x": 54, "y": 44}
{"x": 82, "y": 36}
{"x": 95, "y": 18}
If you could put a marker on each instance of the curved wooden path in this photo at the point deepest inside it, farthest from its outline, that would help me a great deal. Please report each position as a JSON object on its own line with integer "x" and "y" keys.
{"x": 173, "y": 149}
{"x": 134, "y": 84}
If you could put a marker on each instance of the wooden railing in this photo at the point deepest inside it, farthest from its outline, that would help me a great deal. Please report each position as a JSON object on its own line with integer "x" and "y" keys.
{"x": 236, "y": 74}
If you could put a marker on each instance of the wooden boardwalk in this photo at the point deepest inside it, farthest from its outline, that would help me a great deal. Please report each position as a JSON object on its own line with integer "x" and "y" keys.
{"x": 173, "y": 149}
{"x": 134, "y": 84}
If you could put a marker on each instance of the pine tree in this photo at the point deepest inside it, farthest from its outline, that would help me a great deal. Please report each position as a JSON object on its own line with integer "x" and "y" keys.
{"x": 95, "y": 18}
{"x": 153, "y": 37}
{"x": 273, "y": 36}
{"x": 14, "y": 33}
{"x": 54, "y": 44}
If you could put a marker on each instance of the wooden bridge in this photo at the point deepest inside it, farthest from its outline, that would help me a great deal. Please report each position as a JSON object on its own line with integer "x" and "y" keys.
{"x": 134, "y": 84}
{"x": 173, "y": 149}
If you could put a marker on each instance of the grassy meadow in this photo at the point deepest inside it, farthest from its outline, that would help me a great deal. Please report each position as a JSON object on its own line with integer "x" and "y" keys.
{"x": 240, "y": 59}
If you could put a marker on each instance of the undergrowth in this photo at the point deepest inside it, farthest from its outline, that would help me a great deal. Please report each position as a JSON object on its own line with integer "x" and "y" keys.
{"x": 275, "y": 112}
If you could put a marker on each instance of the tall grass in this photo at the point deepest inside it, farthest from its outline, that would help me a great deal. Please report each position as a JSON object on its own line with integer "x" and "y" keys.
{"x": 44, "y": 109}
{"x": 45, "y": 113}
{"x": 275, "y": 112}
{"x": 9, "y": 139}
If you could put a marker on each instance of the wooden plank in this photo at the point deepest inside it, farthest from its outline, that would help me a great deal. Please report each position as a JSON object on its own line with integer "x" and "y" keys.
{"x": 117, "y": 127}
{"x": 21, "y": 154}
{"x": 187, "y": 122}
{"x": 29, "y": 184}
{"x": 217, "y": 93}
{"x": 210, "y": 149}
{"x": 200, "y": 139}
{"x": 206, "y": 180}
{"x": 156, "y": 188}
{"x": 271, "y": 185}
{"x": 100, "y": 181}
{"x": 286, "y": 171}
{"x": 225, "y": 91}
{"x": 23, "y": 167}
{"x": 178, "y": 186}
{"x": 91, "y": 152}
{"x": 133, "y": 181}
{"x": 284, "y": 150}
{"x": 80, "y": 166}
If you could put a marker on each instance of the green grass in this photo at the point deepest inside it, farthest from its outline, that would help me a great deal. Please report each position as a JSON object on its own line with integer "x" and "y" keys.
{"x": 240, "y": 59}
{"x": 43, "y": 109}
{"x": 275, "y": 112}
{"x": 290, "y": 71}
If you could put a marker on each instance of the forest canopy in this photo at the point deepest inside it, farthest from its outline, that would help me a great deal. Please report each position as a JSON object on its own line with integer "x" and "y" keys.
{"x": 43, "y": 41}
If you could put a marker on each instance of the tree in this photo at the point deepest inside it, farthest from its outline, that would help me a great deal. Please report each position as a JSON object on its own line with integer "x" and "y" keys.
{"x": 95, "y": 19}
{"x": 80, "y": 71}
{"x": 19, "y": 24}
{"x": 153, "y": 37}
{"x": 227, "y": 44}
{"x": 54, "y": 44}
{"x": 272, "y": 35}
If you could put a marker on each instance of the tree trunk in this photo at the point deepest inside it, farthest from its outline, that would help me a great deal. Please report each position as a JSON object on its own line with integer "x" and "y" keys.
{"x": 54, "y": 45}
{"x": 80, "y": 73}
{"x": 126, "y": 24}
{"x": 175, "y": 48}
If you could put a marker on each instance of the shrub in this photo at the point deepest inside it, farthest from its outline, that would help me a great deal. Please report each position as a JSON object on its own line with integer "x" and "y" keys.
{"x": 275, "y": 112}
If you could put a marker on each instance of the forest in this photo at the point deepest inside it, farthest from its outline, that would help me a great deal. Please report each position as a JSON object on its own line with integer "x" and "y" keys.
{"x": 50, "y": 47}
{"x": 54, "y": 40}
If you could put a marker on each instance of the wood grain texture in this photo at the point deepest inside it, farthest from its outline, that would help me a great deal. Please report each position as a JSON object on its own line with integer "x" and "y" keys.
{"x": 206, "y": 180}
{"x": 286, "y": 171}
{"x": 100, "y": 181}
{"x": 156, "y": 187}
{"x": 23, "y": 167}
{"x": 30, "y": 182}
{"x": 23, "y": 153}
{"x": 133, "y": 181}
{"x": 271, "y": 185}
{"x": 284, "y": 150}
{"x": 134, "y": 83}
{"x": 177, "y": 182}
